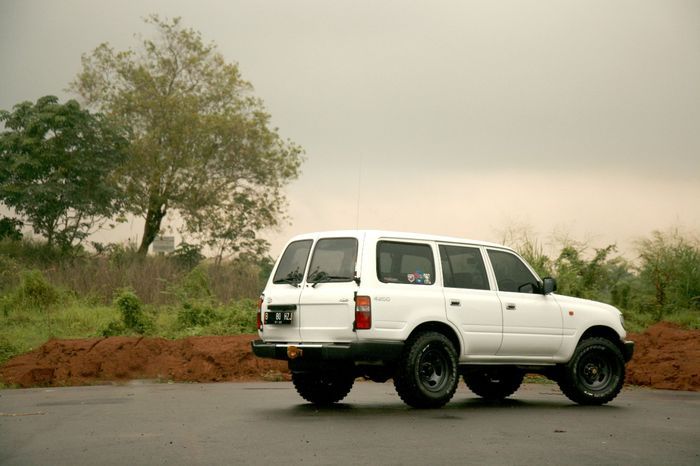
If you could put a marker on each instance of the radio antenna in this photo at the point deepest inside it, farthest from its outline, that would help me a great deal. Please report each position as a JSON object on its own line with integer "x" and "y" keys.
{"x": 359, "y": 190}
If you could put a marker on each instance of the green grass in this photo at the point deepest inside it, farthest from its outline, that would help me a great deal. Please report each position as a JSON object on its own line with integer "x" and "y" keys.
{"x": 35, "y": 305}
{"x": 686, "y": 318}
{"x": 23, "y": 330}
{"x": 638, "y": 322}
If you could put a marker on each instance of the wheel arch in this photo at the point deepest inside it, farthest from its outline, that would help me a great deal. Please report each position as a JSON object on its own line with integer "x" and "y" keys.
{"x": 440, "y": 327}
{"x": 603, "y": 331}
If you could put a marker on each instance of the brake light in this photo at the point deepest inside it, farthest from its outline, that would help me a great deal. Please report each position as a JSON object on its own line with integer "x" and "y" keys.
{"x": 260, "y": 303}
{"x": 363, "y": 312}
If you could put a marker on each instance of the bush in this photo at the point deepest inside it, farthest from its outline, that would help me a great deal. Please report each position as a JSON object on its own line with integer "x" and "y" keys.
{"x": 9, "y": 273}
{"x": 133, "y": 317}
{"x": 34, "y": 293}
{"x": 670, "y": 271}
{"x": 242, "y": 317}
{"x": 11, "y": 228}
{"x": 194, "y": 286}
{"x": 34, "y": 254}
{"x": 7, "y": 350}
{"x": 196, "y": 315}
{"x": 187, "y": 255}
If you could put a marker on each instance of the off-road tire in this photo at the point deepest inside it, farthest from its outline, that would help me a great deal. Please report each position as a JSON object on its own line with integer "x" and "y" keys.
{"x": 494, "y": 384}
{"x": 595, "y": 374}
{"x": 427, "y": 376}
{"x": 323, "y": 388}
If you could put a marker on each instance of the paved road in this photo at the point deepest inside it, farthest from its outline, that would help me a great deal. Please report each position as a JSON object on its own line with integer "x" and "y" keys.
{"x": 267, "y": 423}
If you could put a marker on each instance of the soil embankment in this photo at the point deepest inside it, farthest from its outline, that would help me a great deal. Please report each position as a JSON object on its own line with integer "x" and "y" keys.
{"x": 666, "y": 356}
{"x": 100, "y": 360}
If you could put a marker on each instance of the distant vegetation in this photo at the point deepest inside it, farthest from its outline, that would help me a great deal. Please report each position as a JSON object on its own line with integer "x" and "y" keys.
{"x": 661, "y": 282}
{"x": 49, "y": 292}
{"x": 169, "y": 127}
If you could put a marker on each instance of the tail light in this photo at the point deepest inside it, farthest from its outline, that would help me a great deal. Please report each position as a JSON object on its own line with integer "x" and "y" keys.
{"x": 363, "y": 313}
{"x": 260, "y": 303}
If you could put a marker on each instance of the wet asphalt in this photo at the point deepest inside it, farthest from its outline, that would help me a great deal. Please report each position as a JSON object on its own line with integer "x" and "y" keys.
{"x": 268, "y": 423}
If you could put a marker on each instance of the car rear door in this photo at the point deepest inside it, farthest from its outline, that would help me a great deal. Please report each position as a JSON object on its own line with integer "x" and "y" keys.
{"x": 280, "y": 306}
{"x": 327, "y": 306}
{"x": 470, "y": 303}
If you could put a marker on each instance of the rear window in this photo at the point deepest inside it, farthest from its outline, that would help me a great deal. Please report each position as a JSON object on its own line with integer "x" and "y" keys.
{"x": 408, "y": 263}
{"x": 333, "y": 260}
{"x": 293, "y": 262}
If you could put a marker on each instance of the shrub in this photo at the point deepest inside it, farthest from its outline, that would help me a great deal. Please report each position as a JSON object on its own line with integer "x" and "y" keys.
{"x": 133, "y": 317}
{"x": 195, "y": 286}
{"x": 196, "y": 315}
{"x": 33, "y": 293}
{"x": 9, "y": 273}
{"x": 670, "y": 271}
{"x": 187, "y": 255}
{"x": 241, "y": 317}
{"x": 11, "y": 228}
{"x": 7, "y": 350}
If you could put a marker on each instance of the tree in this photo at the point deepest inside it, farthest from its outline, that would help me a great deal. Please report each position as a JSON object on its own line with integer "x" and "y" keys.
{"x": 586, "y": 278}
{"x": 11, "y": 228}
{"x": 200, "y": 143}
{"x": 56, "y": 162}
{"x": 670, "y": 266}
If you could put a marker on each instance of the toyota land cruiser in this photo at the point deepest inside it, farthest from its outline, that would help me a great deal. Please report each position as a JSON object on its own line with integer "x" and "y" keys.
{"x": 424, "y": 310}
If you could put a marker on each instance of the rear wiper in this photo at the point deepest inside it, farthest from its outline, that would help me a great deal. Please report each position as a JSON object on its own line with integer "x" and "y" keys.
{"x": 289, "y": 280}
{"x": 323, "y": 277}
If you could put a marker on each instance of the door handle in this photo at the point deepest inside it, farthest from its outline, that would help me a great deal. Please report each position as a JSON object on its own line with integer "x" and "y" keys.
{"x": 510, "y": 306}
{"x": 454, "y": 302}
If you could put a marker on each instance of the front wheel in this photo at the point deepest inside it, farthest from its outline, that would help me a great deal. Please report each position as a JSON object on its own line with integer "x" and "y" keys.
{"x": 323, "y": 388}
{"x": 494, "y": 383}
{"x": 427, "y": 373}
{"x": 595, "y": 374}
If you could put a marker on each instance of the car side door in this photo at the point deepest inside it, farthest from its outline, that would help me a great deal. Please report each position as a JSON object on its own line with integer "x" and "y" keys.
{"x": 532, "y": 321}
{"x": 470, "y": 303}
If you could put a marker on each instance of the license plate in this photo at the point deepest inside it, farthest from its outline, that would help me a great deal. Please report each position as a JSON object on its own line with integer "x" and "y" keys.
{"x": 278, "y": 317}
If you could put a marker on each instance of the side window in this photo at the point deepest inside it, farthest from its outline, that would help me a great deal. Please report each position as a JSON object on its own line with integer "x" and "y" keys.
{"x": 405, "y": 263}
{"x": 293, "y": 262}
{"x": 333, "y": 260}
{"x": 511, "y": 273}
{"x": 463, "y": 267}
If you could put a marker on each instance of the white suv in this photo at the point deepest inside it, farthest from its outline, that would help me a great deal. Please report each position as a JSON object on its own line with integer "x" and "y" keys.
{"x": 425, "y": 309}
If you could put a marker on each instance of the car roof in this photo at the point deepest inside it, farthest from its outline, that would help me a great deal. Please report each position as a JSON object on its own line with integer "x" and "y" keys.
{"x": 401, "y": 235}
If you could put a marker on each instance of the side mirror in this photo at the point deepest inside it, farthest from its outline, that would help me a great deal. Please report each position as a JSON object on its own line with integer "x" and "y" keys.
{"x": 527, "y": 288}
{"x": 549, "y": 285}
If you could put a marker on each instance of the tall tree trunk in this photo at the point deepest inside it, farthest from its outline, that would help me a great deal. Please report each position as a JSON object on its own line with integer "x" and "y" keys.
{"x": 154, "y": 216}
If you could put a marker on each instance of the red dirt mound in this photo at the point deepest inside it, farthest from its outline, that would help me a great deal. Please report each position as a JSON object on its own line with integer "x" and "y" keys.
{"x": 666, "y": 356}
{"x": 99, "y": 360}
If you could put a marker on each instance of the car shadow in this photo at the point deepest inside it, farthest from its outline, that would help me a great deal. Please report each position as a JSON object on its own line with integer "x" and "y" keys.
{"x": 456, "y": 409}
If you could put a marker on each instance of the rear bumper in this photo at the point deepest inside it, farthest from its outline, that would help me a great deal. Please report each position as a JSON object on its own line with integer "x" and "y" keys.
{"x": 365, "y": 351}
{"x": 628, "y": 348}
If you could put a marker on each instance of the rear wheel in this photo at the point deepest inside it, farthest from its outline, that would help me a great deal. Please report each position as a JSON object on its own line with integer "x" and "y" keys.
{"x": 427, "y": 373}
{"x": 494, "y": 383}
{"x": 595, "y": 374}
{"x": 323, "y": 388}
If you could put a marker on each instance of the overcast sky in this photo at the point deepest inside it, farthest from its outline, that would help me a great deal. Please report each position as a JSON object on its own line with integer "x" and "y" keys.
{"x": 451, "y": 117}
